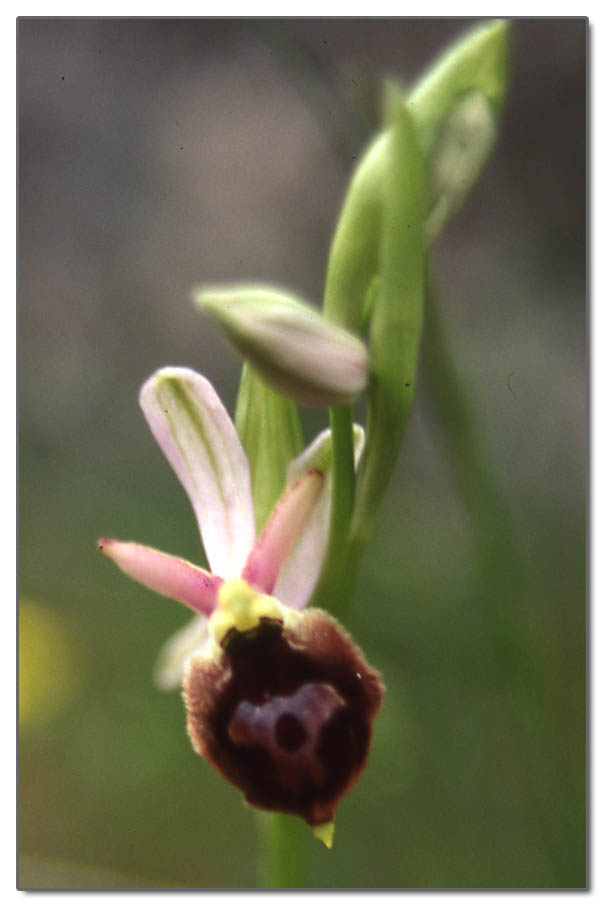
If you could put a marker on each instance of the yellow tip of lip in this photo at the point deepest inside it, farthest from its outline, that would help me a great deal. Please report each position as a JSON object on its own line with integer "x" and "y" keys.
{"x": 324, "y": 833}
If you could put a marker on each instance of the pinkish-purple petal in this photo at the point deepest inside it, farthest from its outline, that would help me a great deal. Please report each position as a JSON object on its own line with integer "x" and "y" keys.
{"x": 282, "y": 531}
{"x": 168, "y": 575}
{"x": 301, "y": 571}
{"x": 194, "y": 430}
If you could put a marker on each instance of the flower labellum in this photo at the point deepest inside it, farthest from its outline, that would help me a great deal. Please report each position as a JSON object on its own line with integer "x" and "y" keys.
{"x": 283, "y": 706}
{"x": 279, "y": 699}
{"x": 296, "y": 350}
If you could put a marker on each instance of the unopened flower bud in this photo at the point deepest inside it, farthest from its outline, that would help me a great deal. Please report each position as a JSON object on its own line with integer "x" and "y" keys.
{"x": 461, "y": 151}
{"x": 295, "y": 350}
{"x": 284, "y": 709}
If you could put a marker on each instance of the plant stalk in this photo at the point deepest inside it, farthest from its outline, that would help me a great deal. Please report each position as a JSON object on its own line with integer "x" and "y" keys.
{"x": 335, "y": 587}
{"x": 284, "y": 842}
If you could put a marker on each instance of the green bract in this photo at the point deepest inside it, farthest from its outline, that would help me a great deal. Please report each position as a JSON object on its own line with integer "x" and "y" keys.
{"x": 269, "y": 428}
{"x": 462, "y": 148}
{"x": 396, "y": 320}
{"x": 477, "y": 64}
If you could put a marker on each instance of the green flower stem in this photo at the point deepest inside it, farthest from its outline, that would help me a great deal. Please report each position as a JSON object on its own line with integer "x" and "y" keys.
{"x": 397, "y": 251}
{"x": 284, "y": 851}
{"x": 335, "y": 587}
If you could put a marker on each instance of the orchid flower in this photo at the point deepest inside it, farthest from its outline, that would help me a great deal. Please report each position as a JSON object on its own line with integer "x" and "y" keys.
{"x": 281, "y": 702}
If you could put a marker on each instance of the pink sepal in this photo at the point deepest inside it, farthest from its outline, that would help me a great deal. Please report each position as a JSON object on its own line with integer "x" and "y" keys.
{"x": 168, "y": 575}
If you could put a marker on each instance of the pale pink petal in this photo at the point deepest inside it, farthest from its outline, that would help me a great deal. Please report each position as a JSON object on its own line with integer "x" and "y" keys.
{"x": 176, "y": 652}
{"x": 300, "y": 572}
{"x": 282, "y": 531}
{"x": 165, "y": 574}
{"x": 194, "y": 430}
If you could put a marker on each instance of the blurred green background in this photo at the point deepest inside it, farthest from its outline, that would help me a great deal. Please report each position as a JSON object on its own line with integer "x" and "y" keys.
{"x": 155, "y": 154}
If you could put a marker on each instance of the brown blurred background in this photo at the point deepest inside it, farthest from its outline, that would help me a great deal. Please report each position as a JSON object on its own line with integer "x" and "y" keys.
{"x": 155, "y": 154}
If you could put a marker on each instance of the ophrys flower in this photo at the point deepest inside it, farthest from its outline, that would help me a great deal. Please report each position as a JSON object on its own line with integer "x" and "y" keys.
{"x": 279, "y": 699}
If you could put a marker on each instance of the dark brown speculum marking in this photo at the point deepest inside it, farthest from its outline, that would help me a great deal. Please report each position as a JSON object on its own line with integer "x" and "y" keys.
{"x": 288, "y": 729}
{"x": 286, "y": 714}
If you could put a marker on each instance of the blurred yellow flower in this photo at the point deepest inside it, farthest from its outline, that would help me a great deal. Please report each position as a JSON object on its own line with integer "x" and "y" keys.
{"x": 50, "y": 667}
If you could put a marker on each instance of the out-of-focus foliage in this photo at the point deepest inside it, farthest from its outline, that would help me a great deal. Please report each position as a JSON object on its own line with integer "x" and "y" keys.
{"x": 158, "y": 154}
